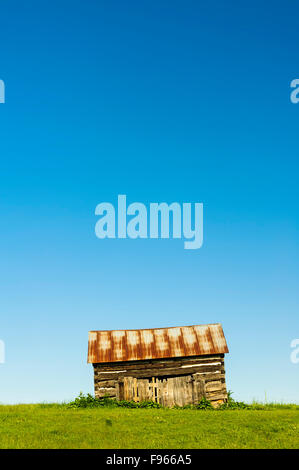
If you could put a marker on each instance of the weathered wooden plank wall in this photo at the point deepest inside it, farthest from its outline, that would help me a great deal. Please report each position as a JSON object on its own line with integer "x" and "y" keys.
{"x": 208, "y": 369}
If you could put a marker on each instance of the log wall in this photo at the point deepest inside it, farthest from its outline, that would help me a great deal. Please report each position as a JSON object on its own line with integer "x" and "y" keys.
{"x": 209, "y": 368}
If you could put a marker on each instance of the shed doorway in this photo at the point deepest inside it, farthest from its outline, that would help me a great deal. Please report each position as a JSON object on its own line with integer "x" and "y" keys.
{"x": 167, "y": 391}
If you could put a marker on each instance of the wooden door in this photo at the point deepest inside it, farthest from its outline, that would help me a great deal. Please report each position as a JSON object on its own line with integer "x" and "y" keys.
{"x": 179, "y": 391}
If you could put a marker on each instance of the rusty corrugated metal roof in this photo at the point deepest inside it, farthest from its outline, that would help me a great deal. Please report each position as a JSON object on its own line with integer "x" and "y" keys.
{"x": 156, "y": 343}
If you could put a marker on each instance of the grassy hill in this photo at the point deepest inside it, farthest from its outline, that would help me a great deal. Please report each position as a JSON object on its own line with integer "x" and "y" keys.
{"x": 61, "y": 427}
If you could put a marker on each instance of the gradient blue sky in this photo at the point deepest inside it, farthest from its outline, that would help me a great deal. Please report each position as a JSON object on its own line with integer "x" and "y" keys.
{"x": 162, "y": 101}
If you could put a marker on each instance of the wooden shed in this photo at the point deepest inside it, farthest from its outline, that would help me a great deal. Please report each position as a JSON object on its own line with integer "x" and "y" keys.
{"x": 171, "y": 366}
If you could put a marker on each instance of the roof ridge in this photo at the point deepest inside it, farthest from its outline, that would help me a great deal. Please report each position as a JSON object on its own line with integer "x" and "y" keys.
{"x": 157, "y": 328}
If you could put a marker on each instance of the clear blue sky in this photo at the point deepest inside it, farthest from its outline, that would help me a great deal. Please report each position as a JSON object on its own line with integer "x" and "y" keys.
{"x": 162, "y": 101}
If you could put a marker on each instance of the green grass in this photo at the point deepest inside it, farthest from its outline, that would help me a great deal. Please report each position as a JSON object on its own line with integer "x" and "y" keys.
{"x": 60, "y": 427}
